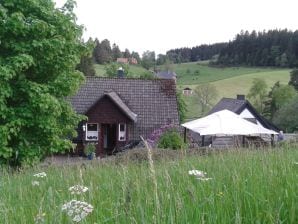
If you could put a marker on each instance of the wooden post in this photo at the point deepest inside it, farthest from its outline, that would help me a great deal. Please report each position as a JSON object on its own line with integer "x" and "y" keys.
{"x": 184, "y": 135}
{"x": 203, "y": 140}
{"x": 272, "y": 140}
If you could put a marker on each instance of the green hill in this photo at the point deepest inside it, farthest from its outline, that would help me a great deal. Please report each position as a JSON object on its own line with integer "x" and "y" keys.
{"x": 228, "y": 81}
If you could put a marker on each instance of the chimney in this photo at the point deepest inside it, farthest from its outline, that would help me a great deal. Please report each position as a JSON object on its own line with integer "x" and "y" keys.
{"x": 240, "y": 97}
{"x": 120, "y": 72}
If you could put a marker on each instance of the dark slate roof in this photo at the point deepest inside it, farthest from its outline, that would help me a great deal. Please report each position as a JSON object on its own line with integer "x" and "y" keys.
{"x": 116, "y": 99}
{"x": 237, "y": 106}
{"x": 234, "y": 105}
{"x": 166, "y": 75}
{"x": 153, "y": 101}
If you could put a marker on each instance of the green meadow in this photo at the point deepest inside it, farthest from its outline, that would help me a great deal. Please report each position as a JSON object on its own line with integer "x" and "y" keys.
{"x": 228, "y": 81}
{"x": 246, "y": 186}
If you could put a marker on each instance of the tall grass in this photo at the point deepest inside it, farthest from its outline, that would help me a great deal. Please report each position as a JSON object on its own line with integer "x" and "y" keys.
{"x": 246, "y": 187}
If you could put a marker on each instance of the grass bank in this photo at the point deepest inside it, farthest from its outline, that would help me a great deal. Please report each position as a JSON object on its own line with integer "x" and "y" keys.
{"x": 246, "y": 187}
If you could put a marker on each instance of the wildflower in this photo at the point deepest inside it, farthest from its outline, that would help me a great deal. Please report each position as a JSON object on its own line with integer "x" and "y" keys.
{"x": 78, "y": 189}
{"x": 40, "y": 175}
{"x": 39, "y": 218}
{"x": 220, "y": 194}
{"x": 197, "y": 173}
{"x": 200, "y": 175}
{"x": 77, "y": 210}
{"x": 35, "y": 183}
{"x": 204, "y": 178}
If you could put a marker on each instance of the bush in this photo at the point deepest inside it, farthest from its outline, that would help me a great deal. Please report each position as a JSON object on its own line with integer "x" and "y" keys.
{"x": 89, "y": 148}
{"x": 171, "y": 140}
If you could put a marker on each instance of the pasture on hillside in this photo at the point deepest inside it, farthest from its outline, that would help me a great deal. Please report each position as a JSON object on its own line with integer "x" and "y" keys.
{"x": 233, "y": 84}
{"x": 199, "y": 72}
{"x": 245, "y": 186}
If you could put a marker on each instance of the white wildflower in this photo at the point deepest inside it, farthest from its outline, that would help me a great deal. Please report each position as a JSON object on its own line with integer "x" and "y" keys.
{"x": 77, "y": 218}
{"x": 78, "y": 189}
{"x": 197, "y": 173}
{"x": 39, "y": 218}
{"x": 200, "y": 175}
{"x": 204, "y": 178}
{"x": 40, "y": 175}
{"x": 35, "y": 183}
{"x": 77, "y": 210}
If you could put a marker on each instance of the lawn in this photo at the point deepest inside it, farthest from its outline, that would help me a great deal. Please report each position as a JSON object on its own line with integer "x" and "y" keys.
{"x": 247, "y": 186}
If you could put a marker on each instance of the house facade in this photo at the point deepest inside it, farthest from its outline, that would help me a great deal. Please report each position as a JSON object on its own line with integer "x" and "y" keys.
{"x": 120, "y": 110}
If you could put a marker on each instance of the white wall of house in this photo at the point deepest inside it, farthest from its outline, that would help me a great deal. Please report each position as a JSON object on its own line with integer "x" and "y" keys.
{"x": 247, "y": 114}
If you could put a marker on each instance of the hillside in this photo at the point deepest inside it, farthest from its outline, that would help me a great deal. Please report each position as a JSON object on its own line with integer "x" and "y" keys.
{"x": 228, "y": 81}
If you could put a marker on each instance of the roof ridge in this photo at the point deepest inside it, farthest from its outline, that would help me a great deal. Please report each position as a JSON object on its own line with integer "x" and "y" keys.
{"x": 127, "y": 78}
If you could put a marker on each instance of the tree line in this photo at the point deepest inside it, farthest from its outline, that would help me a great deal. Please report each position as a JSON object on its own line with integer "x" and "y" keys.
{"x": 272, "y": 48}
{"x": 198, "y": 53}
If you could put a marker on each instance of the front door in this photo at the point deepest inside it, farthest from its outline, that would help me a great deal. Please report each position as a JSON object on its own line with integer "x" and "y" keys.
{"x": 109, "y": 137}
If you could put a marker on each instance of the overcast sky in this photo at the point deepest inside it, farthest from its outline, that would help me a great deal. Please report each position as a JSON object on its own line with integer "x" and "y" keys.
{"x": 160, "y": 25}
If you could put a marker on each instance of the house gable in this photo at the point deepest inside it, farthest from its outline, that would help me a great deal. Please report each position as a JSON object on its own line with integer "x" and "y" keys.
{"x": 243, "y": 108}
{"x": 106, "y": 111}
{"x": 154, "y": 101}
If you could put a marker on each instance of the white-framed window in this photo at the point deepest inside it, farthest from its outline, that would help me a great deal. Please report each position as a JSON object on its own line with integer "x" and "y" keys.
{"x": 122, "y": 132}
{"x": 91, "y": 132}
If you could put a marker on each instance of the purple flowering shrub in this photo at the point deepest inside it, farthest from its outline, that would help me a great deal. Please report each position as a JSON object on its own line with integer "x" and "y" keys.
{"x": 157, "y": 133}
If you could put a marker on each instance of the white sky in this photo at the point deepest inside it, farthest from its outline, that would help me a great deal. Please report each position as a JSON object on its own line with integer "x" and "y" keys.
{"x": 161, "y": 25}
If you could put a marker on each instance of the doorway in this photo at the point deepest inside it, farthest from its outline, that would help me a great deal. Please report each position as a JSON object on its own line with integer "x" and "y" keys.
{"x": 109, "y": 137}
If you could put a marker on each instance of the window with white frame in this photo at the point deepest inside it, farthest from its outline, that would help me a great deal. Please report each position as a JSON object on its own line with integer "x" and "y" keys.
{"x": 91, "y": 131}
{"x": 122, "y": 132}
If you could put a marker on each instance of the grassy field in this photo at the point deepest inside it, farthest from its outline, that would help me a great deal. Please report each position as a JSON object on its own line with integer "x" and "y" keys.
{"x": 197, "y": 73}
{"x": 134, "y": 70}
{"x": 238, "y": 84}
{"x": 256, "y": 186}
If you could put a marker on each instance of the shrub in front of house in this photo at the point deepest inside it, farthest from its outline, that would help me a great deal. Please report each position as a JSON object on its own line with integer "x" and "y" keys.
{"x": 171, "y": 140}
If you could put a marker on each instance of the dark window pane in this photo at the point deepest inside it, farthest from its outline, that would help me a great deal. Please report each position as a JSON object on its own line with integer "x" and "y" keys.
{"x": 91, "y": 127}
{"x": 122, "y": 127}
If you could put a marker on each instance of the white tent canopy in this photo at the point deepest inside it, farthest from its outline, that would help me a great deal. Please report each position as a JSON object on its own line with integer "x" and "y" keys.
{"x": 225, "y": 122}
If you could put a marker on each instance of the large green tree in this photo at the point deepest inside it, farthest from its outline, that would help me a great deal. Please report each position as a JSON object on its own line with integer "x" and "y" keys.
{"x": 286, "y": 117}
{"x": 294, "y": 79}
{"x": 258, "y": 93}
{"x": 40, "y": 47}
{"x": 277, "y": 98}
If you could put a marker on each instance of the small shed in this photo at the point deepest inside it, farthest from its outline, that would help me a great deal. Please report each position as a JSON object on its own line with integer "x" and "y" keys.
{"x": 187, "y": 91}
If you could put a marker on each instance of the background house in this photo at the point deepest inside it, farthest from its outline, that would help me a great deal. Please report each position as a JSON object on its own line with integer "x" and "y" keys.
{"x": 166, "y": 75}
{"x": 187, "y": 91}
{"x": 132, "y": 61}
{"x": 120, "y": 110}
{"x": 242, "y": 107}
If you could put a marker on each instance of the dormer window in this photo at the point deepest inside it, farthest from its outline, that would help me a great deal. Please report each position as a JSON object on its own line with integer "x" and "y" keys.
{"x": 91, "y": 132}
{"x": 122, "y": 132}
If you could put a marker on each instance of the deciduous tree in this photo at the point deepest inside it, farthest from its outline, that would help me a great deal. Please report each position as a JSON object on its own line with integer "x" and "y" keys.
{"x": 258, "y": 93}
{"x": 294, "y": 79}
{"x": 40, "y": 47}
{"x": 206, "y": 93}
